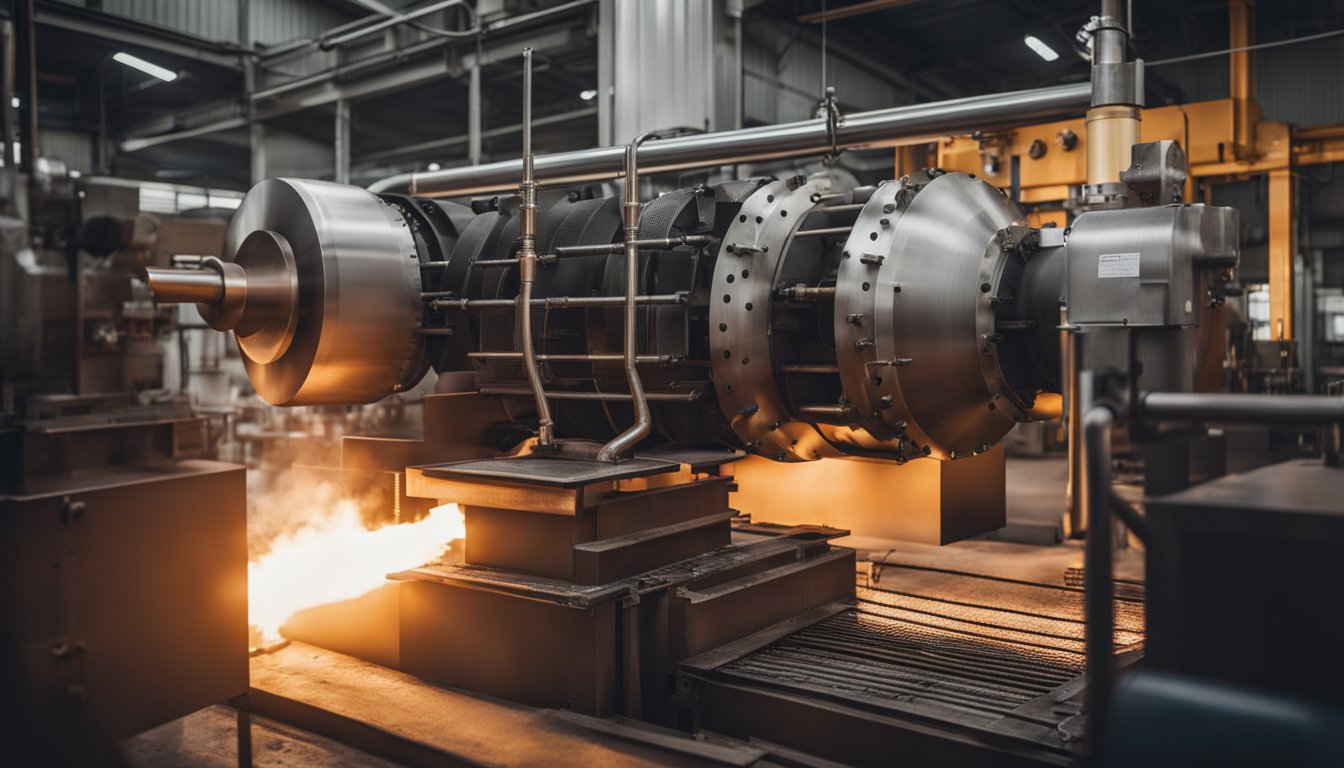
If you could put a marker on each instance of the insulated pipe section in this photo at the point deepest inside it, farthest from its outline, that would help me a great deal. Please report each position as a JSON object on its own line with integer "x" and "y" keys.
{"x": 1298, "y": 410}
{"x": 807, "y": 137}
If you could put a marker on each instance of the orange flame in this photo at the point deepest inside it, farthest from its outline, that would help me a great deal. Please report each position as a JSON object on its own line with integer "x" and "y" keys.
{"x": 337, "y": 558}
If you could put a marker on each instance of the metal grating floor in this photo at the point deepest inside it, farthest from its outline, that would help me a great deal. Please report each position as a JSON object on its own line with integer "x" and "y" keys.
{"x": 868, "y": 654}
{"x": 973, "y": 653}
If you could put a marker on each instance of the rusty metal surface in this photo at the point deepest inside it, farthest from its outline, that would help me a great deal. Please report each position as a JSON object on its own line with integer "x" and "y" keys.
{"x": 610, "y": 648}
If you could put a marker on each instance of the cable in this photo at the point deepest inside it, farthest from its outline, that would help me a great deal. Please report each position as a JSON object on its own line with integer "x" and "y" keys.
{"x": 1259, "y": 46}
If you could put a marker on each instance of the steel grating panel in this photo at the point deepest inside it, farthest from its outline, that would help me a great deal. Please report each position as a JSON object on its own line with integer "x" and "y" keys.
{"x": 868, "y": 654}
{"x": 934, "y": 657}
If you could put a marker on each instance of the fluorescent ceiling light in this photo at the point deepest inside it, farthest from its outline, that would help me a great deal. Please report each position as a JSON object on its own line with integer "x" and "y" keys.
{"x": 588, "y": 95}
{"x": 149, "y": 68}
{"x": 1041, "y": 49}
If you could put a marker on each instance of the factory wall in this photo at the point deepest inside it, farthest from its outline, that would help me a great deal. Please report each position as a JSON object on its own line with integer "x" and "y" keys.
{"x": 781, "y": 77}
{"x": 1289, "y": 82}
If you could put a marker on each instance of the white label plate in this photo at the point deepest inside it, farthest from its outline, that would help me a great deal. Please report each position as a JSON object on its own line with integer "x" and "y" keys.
{"x": 1117, "y": 265}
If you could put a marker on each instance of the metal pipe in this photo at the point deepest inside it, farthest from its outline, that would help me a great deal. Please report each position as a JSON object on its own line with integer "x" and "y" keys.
{"x": 630, "y": 212}
{"x": 826, "y": 410}
{"x": 655, "y": 396}
{"x": 28, "y": 139}
{"x": 182, "y": 286}
{"x": 1098, "y": 421}
{"x": 7, "y": 115}
{"x": 593, "y": 358}
{"x": 527, "y": 263}
{"x": 1224, "y": 408}
{"x": 653, "y": 243}
{"x": 846, "y": 208}
{"x": 802, "y": 292}
{"x": 335, "y": 41}
{"x": 1070, "y": 342}
{"x": 824, "y": 232}
{"x": 807, "y": 137}
{"x": 1131, "y": 517}
{"x": 563, "y": 302}
{"x": 483, "y": 263}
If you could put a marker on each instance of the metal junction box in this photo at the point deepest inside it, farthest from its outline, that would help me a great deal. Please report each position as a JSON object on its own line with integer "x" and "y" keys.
{"x": 1134, "y": 267}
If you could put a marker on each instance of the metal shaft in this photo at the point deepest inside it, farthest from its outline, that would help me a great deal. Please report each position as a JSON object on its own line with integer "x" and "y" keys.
{"x": 1225, "y": 408}
{"x": 806, "y": 137}
{"x": 630, "y": 213}
{"x": 182, "y": 286}
{"x": 527, "y": 264}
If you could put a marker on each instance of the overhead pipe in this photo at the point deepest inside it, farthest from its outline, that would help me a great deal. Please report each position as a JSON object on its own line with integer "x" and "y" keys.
{"x": 799, "y": 139}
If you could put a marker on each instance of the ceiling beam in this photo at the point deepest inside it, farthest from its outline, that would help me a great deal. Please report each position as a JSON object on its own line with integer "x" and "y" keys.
{"x": 121, "y": 30}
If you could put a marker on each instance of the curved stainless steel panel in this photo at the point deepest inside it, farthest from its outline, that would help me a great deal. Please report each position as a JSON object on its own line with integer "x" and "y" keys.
{"x": 358, "y": 292}
{"x": 866, "y": 250}
{"x": 739, "y": 317}
{"x": 928, "y": 295}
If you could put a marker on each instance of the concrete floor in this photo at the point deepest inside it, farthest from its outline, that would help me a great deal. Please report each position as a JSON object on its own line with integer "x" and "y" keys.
{"x": 208, "y": 739}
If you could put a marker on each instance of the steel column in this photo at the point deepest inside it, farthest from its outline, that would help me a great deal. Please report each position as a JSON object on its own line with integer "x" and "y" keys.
{"x": 1282, "y": 248}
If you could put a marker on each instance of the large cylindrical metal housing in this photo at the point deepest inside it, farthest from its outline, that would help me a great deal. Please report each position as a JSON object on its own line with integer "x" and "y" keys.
{"x": 785, "y": 317}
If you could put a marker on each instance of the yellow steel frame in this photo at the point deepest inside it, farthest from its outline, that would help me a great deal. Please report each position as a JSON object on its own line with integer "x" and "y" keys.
{"x": 1224, "y": 140}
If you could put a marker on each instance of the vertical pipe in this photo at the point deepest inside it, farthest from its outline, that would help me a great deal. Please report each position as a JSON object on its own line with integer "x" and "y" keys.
{"x": 28, "y": 130}
{"x": 7, "y": 109}
{"x": 1073, "y": 419}
{"x": 606, "y": 70}
{"x": 1113, "y": 121}
{"x": 527, "y": 263}
{"x": 630, "y": 213}
{"x": 1098, "y": 421}
{"x": 341, "y": 152}
{"x": 1282, "y": 207}
{"x": 1241, "y": 76}
{"x": 474, "y": 109}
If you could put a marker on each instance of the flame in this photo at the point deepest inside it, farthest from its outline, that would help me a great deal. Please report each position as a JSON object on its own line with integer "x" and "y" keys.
{"x": 336, "y": 558}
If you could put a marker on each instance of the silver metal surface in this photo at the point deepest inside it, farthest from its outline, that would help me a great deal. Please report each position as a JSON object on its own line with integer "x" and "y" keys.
{"x": 1137, "y": 267}
{"x": 868, "y": 247}
{"x": 929, "y": 292}
{"x": 807, "y": 137}
{"x": 358, "y": 292}
{"x": 1156, "y": 175}
{"x": 184, "y": 286}
{"x": 739, "y": 319}
{"x": 256, "y": 295}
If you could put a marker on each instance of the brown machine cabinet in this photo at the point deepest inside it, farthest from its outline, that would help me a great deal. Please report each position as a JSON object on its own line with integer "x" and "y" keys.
{"x": 585, "y": 583}
{"x": 531, "y": 649}
{"x": 127, "y": 594}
